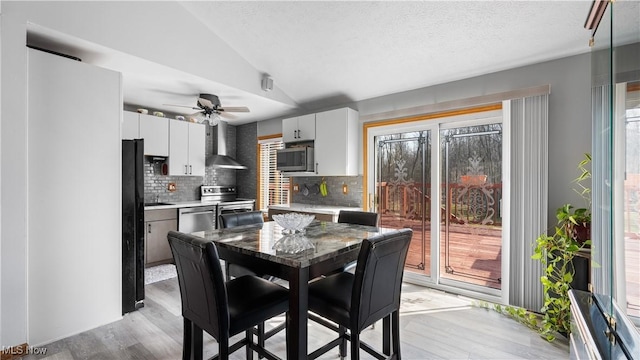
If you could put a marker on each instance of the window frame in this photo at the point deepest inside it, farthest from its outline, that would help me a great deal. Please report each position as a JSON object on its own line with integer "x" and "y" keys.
{"x": 282, "y": 187}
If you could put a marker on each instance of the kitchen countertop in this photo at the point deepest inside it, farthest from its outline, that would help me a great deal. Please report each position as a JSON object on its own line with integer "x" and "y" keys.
{"x": 176, "y": 205}
{"x": 182, "y": 204}
{"x": 318, "y": 209}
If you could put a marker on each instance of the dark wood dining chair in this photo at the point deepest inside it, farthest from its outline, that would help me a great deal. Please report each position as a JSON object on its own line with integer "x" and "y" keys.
{"x": 222, "y": 309}
{"x": 356, "y": 301}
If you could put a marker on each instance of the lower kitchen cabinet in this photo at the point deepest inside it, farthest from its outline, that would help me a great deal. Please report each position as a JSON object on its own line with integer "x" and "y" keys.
{"x": 157, "y": 223}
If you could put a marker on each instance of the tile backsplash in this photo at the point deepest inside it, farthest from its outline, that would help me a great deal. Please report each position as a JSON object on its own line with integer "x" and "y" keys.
{"x": 334, "y": 197}
{"x": 156, "y": 185}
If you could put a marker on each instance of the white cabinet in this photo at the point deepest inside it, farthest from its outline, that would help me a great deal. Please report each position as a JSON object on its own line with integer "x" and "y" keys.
{"x": 336, "y": 144}
{"x": 130, "y": 126}
{"x": 300, "y": 128}
{"x": 155, "y": 132}
{"x": 153, "y": 129}
{"x": 186, "y": 148}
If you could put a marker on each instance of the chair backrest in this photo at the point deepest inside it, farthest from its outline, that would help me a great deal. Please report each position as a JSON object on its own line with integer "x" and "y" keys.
{"x": 202, "y": 288}
{"x": 378, "y": 277}
{"x": 358, "y": 217}
{"x": 230, "y": 220}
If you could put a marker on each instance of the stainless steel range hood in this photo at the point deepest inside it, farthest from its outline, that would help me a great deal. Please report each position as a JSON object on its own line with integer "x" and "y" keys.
{"x": 219, "y": 158}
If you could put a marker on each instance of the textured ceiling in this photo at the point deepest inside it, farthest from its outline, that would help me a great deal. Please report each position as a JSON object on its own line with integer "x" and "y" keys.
{"x": 354, "y": 50}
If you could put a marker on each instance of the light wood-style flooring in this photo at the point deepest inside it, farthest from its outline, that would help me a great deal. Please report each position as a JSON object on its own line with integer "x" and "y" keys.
{"x": 434, "y": 325}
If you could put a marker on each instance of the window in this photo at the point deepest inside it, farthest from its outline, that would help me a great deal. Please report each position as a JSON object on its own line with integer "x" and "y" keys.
{"x": 273, "y": 188}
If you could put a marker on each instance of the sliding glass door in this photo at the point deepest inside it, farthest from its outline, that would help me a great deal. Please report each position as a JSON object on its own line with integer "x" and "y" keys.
{"x": 404, "y": 191}
{"x": 448, "y": 189}
{"x": 471, "y": 235}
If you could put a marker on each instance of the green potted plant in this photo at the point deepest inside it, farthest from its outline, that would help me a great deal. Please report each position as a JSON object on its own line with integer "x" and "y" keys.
{"x": 578, "y": 220}
{"x": 556, "y": 253}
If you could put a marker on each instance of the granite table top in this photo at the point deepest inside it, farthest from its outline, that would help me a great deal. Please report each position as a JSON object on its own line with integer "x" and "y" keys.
{"x": 329, "y": 240}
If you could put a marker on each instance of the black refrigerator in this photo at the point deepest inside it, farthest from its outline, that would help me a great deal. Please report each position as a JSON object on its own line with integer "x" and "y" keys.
{"x": 132, "y": 225}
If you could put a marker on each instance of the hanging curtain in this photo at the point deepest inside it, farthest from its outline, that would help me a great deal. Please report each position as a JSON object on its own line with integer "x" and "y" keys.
{"x": 528, "y": 119}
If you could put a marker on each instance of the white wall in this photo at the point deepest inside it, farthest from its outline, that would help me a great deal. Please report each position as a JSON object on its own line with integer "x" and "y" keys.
{"x": 142, "y": 29}
{"x": 74, "y": 197}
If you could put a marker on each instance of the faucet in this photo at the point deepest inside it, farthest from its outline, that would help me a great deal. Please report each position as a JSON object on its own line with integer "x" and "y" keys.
{"x": 157, "y": 198}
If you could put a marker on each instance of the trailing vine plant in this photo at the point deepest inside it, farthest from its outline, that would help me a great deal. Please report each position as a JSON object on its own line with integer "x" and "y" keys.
{"x": 556, "y": 253}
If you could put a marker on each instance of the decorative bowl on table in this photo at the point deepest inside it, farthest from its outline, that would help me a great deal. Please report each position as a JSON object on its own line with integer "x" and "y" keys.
{"x": 293, "y": 244}
{"x": 293, "y": 223}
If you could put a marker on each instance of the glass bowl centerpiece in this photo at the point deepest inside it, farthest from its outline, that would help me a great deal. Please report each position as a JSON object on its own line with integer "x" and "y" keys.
{"x": 293, "y": 244}
{"x": 293, "y": 223}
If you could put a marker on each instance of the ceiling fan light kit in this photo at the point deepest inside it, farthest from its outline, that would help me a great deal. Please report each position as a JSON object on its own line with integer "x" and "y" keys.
{"x": 210, "y": 109}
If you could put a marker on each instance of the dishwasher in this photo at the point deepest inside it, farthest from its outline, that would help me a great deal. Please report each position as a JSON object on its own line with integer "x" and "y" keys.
{"x": 194, "y": 219}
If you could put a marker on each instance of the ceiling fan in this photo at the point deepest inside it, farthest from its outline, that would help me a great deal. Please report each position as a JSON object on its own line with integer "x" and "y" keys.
{"x": 209, "y": 104}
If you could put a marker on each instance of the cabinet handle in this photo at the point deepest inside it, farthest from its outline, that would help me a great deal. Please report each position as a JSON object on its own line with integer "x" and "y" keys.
{"x": 298, "y": 133}
{"x": 295, "y": 132}
{"x": 190, "y": 170}
{"x": 185, "y": 170}
{"x": 316, "y": 168}
{"x": 149, "y": 228}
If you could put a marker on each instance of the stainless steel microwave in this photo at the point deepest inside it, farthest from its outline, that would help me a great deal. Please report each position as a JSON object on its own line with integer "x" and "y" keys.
{"x": 296, "y": 159}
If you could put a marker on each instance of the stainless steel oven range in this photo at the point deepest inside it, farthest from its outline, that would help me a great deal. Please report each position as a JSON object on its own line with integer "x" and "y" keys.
{"x": 225, "y": 199}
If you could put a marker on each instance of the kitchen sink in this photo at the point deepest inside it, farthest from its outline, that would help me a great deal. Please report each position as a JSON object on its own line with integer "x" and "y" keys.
{"x": 157, "y": 204}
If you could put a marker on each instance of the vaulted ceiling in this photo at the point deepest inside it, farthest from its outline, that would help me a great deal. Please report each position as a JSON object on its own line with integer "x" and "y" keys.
{"x": 329, "y": 53}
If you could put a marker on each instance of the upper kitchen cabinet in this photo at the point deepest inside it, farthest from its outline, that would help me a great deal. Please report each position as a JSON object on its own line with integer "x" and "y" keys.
{"x": 336, "y": 144}
{"x": 186, "y": 148}
{"x": 155, "y": 132}
{"x": 153, "y": 129}
{"x": 130, "y": 125}
{"x": 300, "y": 128}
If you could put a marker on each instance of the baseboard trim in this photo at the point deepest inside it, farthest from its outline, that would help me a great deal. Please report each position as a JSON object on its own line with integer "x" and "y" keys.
{"x": 14, "y": 352}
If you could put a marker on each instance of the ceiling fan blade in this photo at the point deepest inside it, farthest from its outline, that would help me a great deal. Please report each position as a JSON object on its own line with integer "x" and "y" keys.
{"x": 205, "y": 103}
{"x": 234, "y": 109}
{"x": 227, "y": 115}
{"x": 184, "y": 106}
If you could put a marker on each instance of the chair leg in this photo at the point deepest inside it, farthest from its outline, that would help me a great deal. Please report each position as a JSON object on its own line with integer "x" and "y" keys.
{"x": 355, "y": 345}
{"x": 343, "y": 343}
{"x": 386, "y": 335}
{"x": 191, "y": 341}
{"x": 249, "y": 335}
{"x": 186, "y": 339}
{"x": 261, "y": 337}
{"x": 223, "y": 349}
{"x": 396, "y": 333}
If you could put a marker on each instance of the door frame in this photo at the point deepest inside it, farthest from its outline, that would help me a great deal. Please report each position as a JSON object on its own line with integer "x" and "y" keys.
{"x": 434, "y": 122}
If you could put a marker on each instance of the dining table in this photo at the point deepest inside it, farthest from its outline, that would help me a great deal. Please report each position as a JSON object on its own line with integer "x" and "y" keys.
{"x": 323, "y": 248}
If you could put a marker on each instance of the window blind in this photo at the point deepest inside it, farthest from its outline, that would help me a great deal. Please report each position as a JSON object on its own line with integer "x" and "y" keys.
{"x": 273, "y": 186}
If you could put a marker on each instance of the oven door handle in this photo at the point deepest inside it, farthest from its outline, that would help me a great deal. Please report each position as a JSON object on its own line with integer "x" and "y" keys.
{"x": 197, "y": 212}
